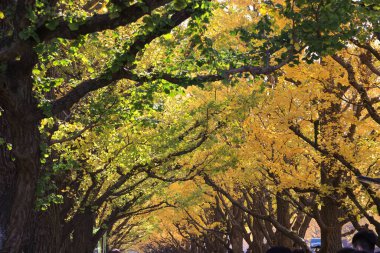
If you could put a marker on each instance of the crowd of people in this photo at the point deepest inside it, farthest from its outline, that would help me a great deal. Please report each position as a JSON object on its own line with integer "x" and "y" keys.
{"x": 362, "y": 242}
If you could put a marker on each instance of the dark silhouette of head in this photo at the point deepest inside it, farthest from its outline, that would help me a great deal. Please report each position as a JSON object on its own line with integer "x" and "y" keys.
{"x": 298, "y": 251}
{"x": 346, "y": 250}
{"x": 279, "y": 249}
{"x": 365, "y": 241}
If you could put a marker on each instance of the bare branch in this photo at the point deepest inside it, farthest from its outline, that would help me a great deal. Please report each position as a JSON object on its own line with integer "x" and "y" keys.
{"x": 359, "y": 88}
{"x": 367, "y": 61}
{"x": 292, "y": 235}
{"x": 367, "y": 47}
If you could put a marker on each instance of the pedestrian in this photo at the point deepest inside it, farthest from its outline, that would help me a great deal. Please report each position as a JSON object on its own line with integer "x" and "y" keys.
{"x": 365, "y": 240}
{"x": 279, "y": 249}
{"x": 346, "y": 250}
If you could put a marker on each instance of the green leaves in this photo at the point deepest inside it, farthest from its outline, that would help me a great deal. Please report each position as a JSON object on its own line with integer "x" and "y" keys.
{"x": 73, "y": 26}
{"x": 29, "y": 33}
{"x": 179, "y": 4}
{"x": 52, "y": 25}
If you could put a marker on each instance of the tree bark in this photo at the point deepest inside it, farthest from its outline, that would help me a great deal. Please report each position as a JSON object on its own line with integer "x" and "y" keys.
{"x": 27, "y": 168}
{"x": 48, "y": 232}
{"x": 236, "y": 233}
{"x": 330, "y": 212}
{"x": 7, "y": 175}
{"x": 24, "y": 154}
{"x": 83, "y": 234}
{"x": 283, "y": 217}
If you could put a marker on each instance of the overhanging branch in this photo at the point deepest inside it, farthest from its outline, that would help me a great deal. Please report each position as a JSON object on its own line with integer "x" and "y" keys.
{"x": 109, "y": 76}
{"x": 99, "y": 22}
{"x": 358, "y": 87}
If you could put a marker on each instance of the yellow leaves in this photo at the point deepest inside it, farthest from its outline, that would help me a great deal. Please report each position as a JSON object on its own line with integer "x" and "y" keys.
{"x": 2, "y": 15}
{"x": 264, "y": 10}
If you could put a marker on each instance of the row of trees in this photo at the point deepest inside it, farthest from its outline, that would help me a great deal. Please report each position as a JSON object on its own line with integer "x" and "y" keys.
{"x": 299, "y": 141}
{"x": 91, "y": 142}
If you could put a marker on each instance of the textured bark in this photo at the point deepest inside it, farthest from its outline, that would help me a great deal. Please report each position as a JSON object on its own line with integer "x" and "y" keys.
{"x": 27, "y": 166}
{"x": 82, "y": 236}
{"x": 283, "y": 217}
{"x": 258, "y": 245}
{"x": 301, "y": 224}
{"x": 7, "y": 176}
{"x": 236, "y": 233}
{"x": 24, "y": 156}
{"x": 48, "y": 232}
{"x": 330, "y": 212}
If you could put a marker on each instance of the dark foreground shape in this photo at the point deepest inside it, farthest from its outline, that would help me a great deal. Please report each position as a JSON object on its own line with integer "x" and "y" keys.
{"x": 279, "y": 250}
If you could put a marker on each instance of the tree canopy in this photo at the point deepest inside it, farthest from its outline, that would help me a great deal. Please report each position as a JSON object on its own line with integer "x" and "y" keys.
{"x": 187, "y": 125}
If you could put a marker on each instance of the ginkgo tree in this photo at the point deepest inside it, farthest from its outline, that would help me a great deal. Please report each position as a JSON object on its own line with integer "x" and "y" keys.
{"x": 297, "y": 140}
{"x": 32, "y": 30}
{"x": 44, "y": 74}
{"x": 111, "y": 172}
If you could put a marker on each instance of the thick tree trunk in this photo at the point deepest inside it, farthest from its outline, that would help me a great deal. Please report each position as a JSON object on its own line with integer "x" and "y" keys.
{"x": 7, "y": 177}
{"x": 283, "y": 217}
{"x": 236, "y": 233}
{"x": 48, "y": 232}
{"x": 330, "y": 213}
{"x": 20, "y": 130}
{"x": 260, "y": 229}
{"x": 331, "y": 233}
{"x": 83, "y": 234}
{"x": 193, "y": 246}
{"x": 258, "y": 245}
{"x": 25, "y": 148}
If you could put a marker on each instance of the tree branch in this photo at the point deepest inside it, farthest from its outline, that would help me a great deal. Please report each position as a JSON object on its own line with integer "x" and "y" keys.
{"x": 367, "y": 61}
{"x": 88, "y": 86}
{"x": 367, "y": 47}
{"x": 109, "y": 76}
{"x": 99, "y": 22}
{"x": 359, "y": 88}
{"x": 225, "y": 74}
{"x": 342, "y": 160}
{"x": 292, "y": 235}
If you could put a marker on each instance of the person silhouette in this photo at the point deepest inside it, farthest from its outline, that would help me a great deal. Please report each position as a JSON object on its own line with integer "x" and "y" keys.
{"x": 365, "y": 240}
{"x": 279, "y": 249}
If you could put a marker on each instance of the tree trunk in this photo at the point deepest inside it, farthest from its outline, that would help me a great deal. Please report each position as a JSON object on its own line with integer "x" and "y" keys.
{"x": 25, "y": 147}
{"x": 283, "y": 217}
{"x": 331, "y": 176}
{"x": 258, "y": 245}
{"x": 20, "y": 130}
{"x": 7, "y": 176}
{"x": 331, "y": 233}
{"x": 236, "y": 233}
{"x": 330, "y": 212}
{"x": 83, "y": 234}
{"x": 216, "y": 242}
{"x": 48, "y": 232}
